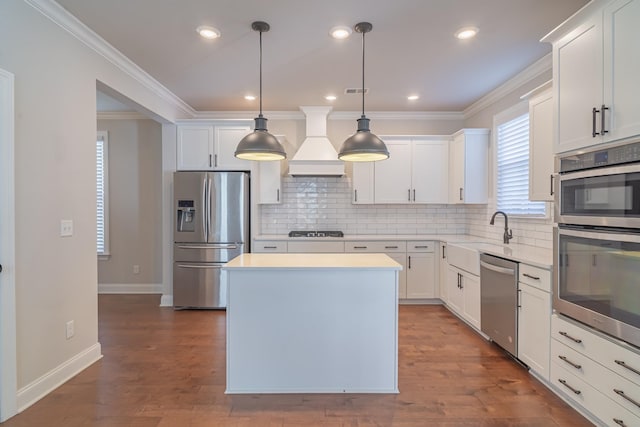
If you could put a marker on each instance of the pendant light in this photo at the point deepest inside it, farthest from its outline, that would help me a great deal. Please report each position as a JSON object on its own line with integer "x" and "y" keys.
{"x": 260, "y": 144}
{"x": 363, "y": 146}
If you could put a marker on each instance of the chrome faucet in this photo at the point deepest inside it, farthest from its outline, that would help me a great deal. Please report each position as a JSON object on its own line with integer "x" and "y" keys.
{"x": 508, "y": 234}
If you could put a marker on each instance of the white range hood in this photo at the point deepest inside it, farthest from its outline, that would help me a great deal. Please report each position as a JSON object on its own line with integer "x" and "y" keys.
{"x": 316, "y": 156}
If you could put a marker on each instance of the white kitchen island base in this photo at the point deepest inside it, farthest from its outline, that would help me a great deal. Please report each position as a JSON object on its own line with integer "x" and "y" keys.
{"x": 312, "y": 323}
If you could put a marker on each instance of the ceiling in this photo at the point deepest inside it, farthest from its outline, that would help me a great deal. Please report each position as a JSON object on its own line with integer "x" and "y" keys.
{"x": 411, "y": 49}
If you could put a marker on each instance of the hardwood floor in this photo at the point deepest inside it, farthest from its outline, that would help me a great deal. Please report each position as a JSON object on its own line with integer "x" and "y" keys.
{"x": 165, "y": 368}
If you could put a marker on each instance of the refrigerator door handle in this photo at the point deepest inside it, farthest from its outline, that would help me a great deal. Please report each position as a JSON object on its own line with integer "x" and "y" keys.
{"x": 207, "y": 202}
{"x": 205, "y": 213}
{"x": 215, "y": 267}
{"x": 207, "y": 246}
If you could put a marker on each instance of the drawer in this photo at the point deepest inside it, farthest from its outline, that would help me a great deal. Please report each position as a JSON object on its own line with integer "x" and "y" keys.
{"x": 391, "y": 246}
{"x": 616, "y": 357}
{"x": 614, "y": 386}
{"x": 270, "y": 246}
{"x": 536, "y": 277}
{"x": 421, "y": 246}
{"x": 315, "y": 247}
{"x": 591, "y": 399}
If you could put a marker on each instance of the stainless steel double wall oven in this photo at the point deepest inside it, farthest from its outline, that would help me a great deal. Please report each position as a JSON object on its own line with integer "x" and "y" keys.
{"x": 597, "y": 239}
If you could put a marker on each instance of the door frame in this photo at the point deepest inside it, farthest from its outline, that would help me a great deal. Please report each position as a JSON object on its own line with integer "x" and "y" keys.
{"x": 8, "y": 367}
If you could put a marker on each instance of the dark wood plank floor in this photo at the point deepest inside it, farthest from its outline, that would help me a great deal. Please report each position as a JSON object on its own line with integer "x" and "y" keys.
{"x": 165, "y": 368}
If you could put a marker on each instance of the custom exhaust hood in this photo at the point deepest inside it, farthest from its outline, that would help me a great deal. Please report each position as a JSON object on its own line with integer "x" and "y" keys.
{"x": 316, "y": 156}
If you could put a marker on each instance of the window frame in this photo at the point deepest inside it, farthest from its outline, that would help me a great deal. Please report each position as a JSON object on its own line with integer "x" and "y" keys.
{"x": 104, "y": 137}
{"x": 515, "y": 111}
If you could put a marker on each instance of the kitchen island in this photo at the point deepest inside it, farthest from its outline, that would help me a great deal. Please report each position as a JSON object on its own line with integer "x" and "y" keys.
{"x": 312, "y": 323}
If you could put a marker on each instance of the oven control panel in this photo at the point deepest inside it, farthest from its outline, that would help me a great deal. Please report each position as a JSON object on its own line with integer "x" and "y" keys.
{"x": 628, "y": 153}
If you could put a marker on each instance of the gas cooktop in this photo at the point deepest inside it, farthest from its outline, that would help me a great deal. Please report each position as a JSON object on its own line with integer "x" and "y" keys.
{"x": 308, "y": 233}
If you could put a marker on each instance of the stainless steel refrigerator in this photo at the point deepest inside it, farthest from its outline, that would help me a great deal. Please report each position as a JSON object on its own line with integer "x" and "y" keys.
{"x": 211, "y": 227}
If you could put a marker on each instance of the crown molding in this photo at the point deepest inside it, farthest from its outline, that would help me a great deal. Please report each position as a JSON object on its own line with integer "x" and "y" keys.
{"x": 531, "y": 72}
{"x": 60, "y": 16}
{"x": 121, "y": 115}
{"x": 248, "y": 115}
{"x": 398, "y": 115}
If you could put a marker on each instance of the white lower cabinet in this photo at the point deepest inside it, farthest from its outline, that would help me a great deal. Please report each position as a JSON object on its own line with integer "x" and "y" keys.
{"x": 420, "y": 275}
{"x": 270, "y": 246}
{"x": 442, "y": 272}
{"x": 463, "y": 295}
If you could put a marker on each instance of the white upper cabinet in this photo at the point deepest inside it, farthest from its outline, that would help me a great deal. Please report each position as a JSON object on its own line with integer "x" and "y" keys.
{"x": 541, "y": 145}
{"x": 595, "y": 67}
{"x": 210, "y": 147}
{"x": 269, "y": 182}
{"x": 416, "y": 171}
{"x": 468, "y": 166}
{"x": 362, "y": 183}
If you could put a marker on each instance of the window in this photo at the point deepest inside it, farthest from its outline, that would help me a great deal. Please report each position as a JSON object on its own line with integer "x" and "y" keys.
{"x": 512, "y": 164}
{"x": 102, "y": 187}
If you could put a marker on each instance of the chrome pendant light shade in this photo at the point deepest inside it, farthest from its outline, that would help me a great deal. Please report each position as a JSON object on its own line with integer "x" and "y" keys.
{"x": 260, "y": 144}
{"x": 363, "y": 146}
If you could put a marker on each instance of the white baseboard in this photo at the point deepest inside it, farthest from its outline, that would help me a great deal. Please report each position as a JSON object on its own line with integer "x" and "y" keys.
{"x": 166, "y": 300}
{"x": 44, "y": 385}
{"x": 129, "y": 288}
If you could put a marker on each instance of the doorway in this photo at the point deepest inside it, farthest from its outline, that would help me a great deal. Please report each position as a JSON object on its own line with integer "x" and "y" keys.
{"x": 8, "y": 374}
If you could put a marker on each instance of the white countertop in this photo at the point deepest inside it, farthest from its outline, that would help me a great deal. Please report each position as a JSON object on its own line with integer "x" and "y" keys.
{"x": 312, "y": 261}
{"x": 378, "y": 237}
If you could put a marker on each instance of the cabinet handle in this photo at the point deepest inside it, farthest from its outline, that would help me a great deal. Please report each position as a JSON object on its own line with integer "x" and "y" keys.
{"x": 409, "y": 194}
{"x": 519, "y": 298}
{"x": 627, "y": 398}
{"x": 422, "y": 247}
{"x": 359, "y": 247}
{"x": 564, "y": 334}
{"x": 460, "y": 280}
{"x": 575, "y": 340}
{"x": 210, "y": 160}
{"x": 278, "y": 195}
{"x": 593, "y": 120}
{"x": 624, "y": 365}
{"x": 443, "y": 256}
{"x": 215, "y": 160}
{"x": 270, "y": 247}
{"x": 564, "y": 383}
{"x": 551, "y": 189}
{"x": 409, "y": 262}
{"x": 619, "y": 422}
{"x": 602, "y": 118}
{"x": 530, "y": 277}
{"x": 414, "y": 194}
{"x": 391, "y": 247}
{"x": 575, "y": 365}
{"x": 355, "y": 197}
{"x": 460, "y": 193}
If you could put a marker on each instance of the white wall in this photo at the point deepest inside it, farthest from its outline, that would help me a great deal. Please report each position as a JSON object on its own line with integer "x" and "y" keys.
{"x": 135, "y": 207}
{"x": 55, "y": 97}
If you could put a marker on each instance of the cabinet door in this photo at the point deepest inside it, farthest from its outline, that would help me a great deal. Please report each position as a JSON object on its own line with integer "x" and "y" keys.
{"x": 534, "y": 329}
{"x": 269, "y": 182}
{"x": 541, "y": 147}
{"x": 225, "y": 143}
{"x": 621, "y": 69}
{"x": 455, "y": 298}
{"x": 430, "y": 171}
{"x": 393, "y": 176}
{"x": 402, "y": 277}
{"x": 362, "y": 183}
{"x": 471, "y": 292}
{"x": 195, "y": 147}
{"x": 456, "y": 170}
{"x": 442, "y": 271}
{"x": 420, "y": 275}
{"x": 578, "y": 78}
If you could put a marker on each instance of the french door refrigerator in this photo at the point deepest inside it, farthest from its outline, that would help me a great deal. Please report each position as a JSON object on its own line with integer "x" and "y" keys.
{"x": 211, "y": 227}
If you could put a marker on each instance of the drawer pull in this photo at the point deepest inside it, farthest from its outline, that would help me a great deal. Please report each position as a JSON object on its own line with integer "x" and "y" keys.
{"x": 564, "y": 383}
{"x": 359, "y": 247}
{"x": 270, "y": 247}
{"x": 624, "y": 396}
{"x": 421, "y": 247}
{"x": 391, "y": 247}
{"x": 619, "y": 422}
{"x": 624, "y": 365}
{"x": 575, "y": 365}
{"x": 575, "y": 340}
{"x": 530, "y": 276}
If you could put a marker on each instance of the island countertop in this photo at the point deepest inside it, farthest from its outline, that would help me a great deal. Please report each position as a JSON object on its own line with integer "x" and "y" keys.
{"x": 312, "y": 261}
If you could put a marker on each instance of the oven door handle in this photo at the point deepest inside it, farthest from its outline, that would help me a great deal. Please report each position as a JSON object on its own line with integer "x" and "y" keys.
{"x": 600, "y": 235}
{"x": 604, "y": 171}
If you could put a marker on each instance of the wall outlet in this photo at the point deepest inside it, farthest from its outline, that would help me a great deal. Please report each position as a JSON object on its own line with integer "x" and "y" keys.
{"x": 66, "y": 228}
{"x": 136, "y": 269}
{"x": 70, "y": 329}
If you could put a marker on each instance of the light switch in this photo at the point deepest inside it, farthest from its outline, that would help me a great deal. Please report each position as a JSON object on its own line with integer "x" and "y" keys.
{"x": 66, "y": 228}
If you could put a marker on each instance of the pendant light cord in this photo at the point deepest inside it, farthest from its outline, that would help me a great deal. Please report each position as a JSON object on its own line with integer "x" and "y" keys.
{"x": 261, "y": 74}
{"x": 363, "y": 74}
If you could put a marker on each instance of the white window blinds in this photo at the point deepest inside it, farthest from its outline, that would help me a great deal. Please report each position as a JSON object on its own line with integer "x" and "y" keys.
{"x": 102, "y": 199}
{"x": 513, "y": 169}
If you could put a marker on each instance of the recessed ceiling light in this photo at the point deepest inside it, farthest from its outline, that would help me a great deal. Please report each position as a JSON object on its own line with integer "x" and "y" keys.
{"x": 208, "y": 32}
{"x": 250, "y": 97}
{"x": 330, "y": 97}
{"x": 412, "y": 97}
{"x": 466, "y": 33}
{"x": 340, "y": 32}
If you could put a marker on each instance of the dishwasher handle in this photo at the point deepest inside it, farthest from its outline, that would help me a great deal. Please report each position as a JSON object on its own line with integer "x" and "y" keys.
{"x": 497, "y": 269}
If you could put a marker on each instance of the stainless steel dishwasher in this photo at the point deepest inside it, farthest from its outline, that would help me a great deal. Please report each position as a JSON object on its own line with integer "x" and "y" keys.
{"x": 499, "y": 301}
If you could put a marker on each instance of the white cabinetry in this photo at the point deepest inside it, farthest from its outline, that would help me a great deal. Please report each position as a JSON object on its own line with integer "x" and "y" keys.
{"x": 269, "y": 182}
{"x": 362, "y": 183}
{"x": 595, "y": 68}
{"x": 421, "y": 277}
{"x": 468, "y": 166}
{"x": 541, "y": 145}
{"x": 397, "y": 250}
{"x": 442, "y": 271}
{"x": 305, "y": 246}
{"x": 267, "y": 246}
{"x": 597, "y": 373}
{"x": 210, "y": 147}
{"x": 416, "y": 171}
{"x": 463, "y": 293}
{"x": 534, "y": 318}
